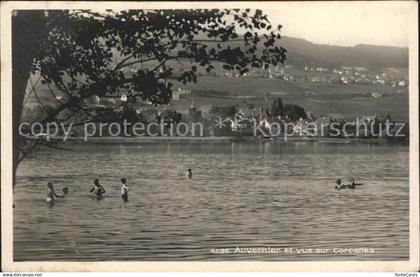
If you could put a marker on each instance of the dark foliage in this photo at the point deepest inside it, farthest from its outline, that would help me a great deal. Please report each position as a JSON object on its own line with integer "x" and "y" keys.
{"x": 107, "y": 54}
{"x": 81, "y": 53}
{"x": 294, "y": 112}
{"x": 277, "y": 107}
{"x": 223, "y": 112}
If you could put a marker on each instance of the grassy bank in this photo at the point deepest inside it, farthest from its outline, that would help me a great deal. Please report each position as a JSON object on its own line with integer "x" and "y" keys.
{"x": 348, "y": 100}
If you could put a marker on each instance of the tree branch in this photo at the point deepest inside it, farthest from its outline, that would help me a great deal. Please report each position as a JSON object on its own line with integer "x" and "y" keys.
{"x": 24, "y": 154}
{"x": 36, "y": 96}
{"x": 137, "y": 61}
{"x": 32, "y": 89}
{"x": 122, "y": 62}
{"x": 53, "y": 94}
{"x": 52, "y": 145}
{"x": 159, "y": 65}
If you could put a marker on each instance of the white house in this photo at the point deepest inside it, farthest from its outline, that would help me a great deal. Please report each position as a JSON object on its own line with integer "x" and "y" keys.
{"x": 175, "y": 95}
{"x": 376, "y": 95}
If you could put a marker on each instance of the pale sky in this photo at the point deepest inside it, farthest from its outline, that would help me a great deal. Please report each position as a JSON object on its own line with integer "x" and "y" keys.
{"x": 344, "y": 23}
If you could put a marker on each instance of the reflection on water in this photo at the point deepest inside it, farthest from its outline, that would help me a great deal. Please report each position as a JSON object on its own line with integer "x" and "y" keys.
{"x": 241, "y": 195}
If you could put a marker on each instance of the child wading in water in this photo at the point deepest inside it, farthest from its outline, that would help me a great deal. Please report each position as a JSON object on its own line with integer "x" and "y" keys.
{"x": 97, "y": 189}
{"x": 189, "y": 173}
{"x": 51, "y": 193}
{"x": 124, "y": 190}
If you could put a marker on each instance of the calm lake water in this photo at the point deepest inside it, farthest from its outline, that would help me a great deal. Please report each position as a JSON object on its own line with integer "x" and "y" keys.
{"x": 241, "y": 195}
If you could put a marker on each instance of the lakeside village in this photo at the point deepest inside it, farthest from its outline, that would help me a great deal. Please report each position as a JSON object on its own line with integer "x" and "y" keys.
{"x": 272, "y": 119}
{"x": 277, "y": 120}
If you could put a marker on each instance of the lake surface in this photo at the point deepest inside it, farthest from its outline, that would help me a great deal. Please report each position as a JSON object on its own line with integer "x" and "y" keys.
{"x": 241, "y": 196}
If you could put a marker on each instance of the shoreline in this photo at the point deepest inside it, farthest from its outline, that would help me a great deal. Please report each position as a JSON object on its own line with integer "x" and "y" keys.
{"x": 221, "y": 139}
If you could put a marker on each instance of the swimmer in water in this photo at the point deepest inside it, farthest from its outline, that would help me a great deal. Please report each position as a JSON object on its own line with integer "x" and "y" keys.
{"x": 189, "y": 173}
{"x": 65, "y": 190}
{"x": 51, "y": 193}
{"x": 353, "y": 184}
{"x": 97, "y": 189}
{"x": 124, "y": 190}
{"x": 338, "y": 184}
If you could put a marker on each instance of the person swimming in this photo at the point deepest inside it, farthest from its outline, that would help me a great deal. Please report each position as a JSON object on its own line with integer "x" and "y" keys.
{"x": 97, "y": 189}
{"x": 189, "y": 173}
{"x": 353, "y": 184}
{"x": 51, "y": 193}
{"x": 124, "y": 190}
{"x": 65, "y": 190}
{"x": 338, "y": 184}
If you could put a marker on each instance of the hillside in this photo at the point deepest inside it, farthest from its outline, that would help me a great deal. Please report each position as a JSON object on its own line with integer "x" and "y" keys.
{"x": 351, "y": 100}
{"x": 301, "y": 52}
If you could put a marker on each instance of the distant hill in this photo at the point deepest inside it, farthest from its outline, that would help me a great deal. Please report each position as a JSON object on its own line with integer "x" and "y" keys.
{"x": 302, "y": 52}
